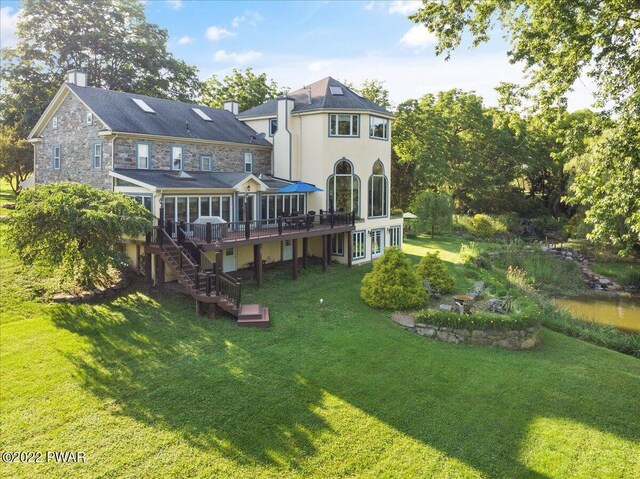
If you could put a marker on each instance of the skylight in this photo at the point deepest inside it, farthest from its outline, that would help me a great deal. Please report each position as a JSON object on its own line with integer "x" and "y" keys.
{"x": 143, "y": 105}
{"x": 358, "y": 92}
{"x": 202, "y": 114}
{"x": 336, "y": 90}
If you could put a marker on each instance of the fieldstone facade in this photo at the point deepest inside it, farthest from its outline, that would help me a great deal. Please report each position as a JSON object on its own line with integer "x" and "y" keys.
{"x": 76, "y": 139}
{"x": 514, "y": 340}
{"x": 225, "y": 158}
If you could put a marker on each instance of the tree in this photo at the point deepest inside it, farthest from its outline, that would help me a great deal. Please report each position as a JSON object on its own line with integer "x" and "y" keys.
{"x": 75, "y": 229}
{"x": 245, "y": 87}
{"x": 392, "y": 283}
{"x": 434, "y": 211}
{"x": 109, "y": 39}
{"x": 16, "y": 158}
{"x": 375, "y": 91}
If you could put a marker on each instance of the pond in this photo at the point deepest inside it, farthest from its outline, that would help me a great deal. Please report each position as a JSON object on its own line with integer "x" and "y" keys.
{"x": 622, "y": 312}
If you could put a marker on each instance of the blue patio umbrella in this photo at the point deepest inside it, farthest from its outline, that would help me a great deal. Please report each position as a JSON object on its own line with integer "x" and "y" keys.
{"x": 299, "y": 187}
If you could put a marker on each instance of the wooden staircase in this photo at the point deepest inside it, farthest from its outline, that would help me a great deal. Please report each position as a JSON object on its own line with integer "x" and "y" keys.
{"x": 215, "y": 288}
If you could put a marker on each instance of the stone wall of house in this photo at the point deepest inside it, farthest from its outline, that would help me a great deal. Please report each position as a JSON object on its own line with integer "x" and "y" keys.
{"x": 514, "y": 340}
{"x": 226, "y": 158}
{"x": 76, "y": 139}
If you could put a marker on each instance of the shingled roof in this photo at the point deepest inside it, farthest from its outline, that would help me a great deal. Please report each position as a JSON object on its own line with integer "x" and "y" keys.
{"x": 171, "y": 118}
{"x": 322, "y": 98}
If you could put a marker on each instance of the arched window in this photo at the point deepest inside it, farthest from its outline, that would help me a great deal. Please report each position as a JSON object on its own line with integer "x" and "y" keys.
{"x": 344, "y": 187}
{"x": 378, "y": 191}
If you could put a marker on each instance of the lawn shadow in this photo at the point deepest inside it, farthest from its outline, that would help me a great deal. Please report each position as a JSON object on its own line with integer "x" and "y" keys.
{"x": 179, "y": 372}
{"x": 251, "y": 394}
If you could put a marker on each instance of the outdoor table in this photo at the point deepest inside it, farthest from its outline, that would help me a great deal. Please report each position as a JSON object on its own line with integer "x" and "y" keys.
{"x": 462, "y": 299}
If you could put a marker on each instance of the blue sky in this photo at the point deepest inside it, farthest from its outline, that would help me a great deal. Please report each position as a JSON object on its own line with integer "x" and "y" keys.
{"x": 297, "y": 43}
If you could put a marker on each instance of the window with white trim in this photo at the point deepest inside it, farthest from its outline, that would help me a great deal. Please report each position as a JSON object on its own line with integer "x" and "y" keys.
{"x": 248, "y": 162}
{"x": 344, "y": 187}
{"x": 176, "y": 158}
{"x": 89, "y": 119}
{"x": 273, "y": 126}
{"x": 359, "y": 245}
{"x": 190, "y": 208}
{"x": 206, "y": 163}
{"x": 144, "y": 159}
{"x": 97, "y": 156}
{"x": 395, "y": 239}
{"x": 378, "y": 127}
{"x": 378, "y": 191}
{"x": 144, "y": 200}
{"x": 344, "y": 125}
{"x": 54, "y": 122}
{"x": 274, "y": 205}
{"x": 337, "y": 244}
{"x": 56, "y": 159}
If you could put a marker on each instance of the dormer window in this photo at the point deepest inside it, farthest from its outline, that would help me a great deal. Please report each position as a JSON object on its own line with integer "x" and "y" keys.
{"x": 89, "y": 119}
{"x": 344, "y": 125}
{"x": 143, "y": 105}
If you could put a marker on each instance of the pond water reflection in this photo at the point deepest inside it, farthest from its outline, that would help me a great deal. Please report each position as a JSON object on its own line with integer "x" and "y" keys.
{"x": 622, "y": 312}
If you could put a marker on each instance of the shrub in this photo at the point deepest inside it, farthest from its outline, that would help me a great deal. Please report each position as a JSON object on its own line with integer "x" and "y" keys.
{"x": 469, "y": 253}
{"x": 481, "y": 321}
{"x": 396, "y": 212}
{"x": 393, "y": 284}
{"x": 433, "y": 269}
{"x": 482, "y": 226}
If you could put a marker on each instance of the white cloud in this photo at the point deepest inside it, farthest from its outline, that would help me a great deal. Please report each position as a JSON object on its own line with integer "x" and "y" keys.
{"x": 236, "y": 57}
{"x": 250, "y": 17}
{"x": 175, "y": 4}
{"x": 218, "y": 33}
{"x": 369, "y": 6}
{"x": 8, "y": 25}
{"x": 320, "y": 65}
{"x": 404, "y": 7}
{"x": 186, "y": 40}
{"x": 418, "y": 37}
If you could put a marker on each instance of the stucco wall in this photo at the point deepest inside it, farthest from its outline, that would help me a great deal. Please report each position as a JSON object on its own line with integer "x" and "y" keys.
{"x": 76, "y": 139}
{"x": 226, "y": 158}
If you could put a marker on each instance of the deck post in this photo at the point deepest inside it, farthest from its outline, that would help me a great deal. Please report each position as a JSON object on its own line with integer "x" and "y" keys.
{"x": 350, "y": 249}
{"x": 295, "y": 258}
{"x": 257, "y": 264}
{"x": 138, "y": 258}
{"x": 247, "y": 229}
{"x": 305, "y": 251}
{"x": 213, "y": 309}
{"x": 209, "y": 232}
{"x": 147, "y": 270}
{"x": 219, "y": 268}
{"x": 160, "y": 273}
{"x": 329, "y": 259}
{"x": 279, "y": 225}
{"x": 324, "y": 253}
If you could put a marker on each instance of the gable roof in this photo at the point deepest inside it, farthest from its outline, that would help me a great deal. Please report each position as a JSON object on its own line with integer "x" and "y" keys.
{"x": 321, "y": 99}
{"x": 121, "y": 114}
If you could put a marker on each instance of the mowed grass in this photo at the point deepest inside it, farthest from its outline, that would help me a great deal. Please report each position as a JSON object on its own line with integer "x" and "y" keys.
{"x": 148, "y": 389}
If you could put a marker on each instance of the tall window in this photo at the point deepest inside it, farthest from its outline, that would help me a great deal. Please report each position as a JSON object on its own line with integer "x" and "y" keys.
{"x": 344, "y": 125}
{"x": 344, "y": 187}
{"x": 394, "y": 236}
{"x": 378, "y": 127}
{"x": 248, "y": 162}
{"x": 97, "y": 156}
{"x": 143, "y": 156}
{"x": 206, "y": 163}
{"x": 176, "y": 157}
{"x": 359, "y": 245}
{"x": 377, "y": 191}
{"x": 273, "y": 126}
{"x": 337, "y": 244}
{"x": 56, "y": 159}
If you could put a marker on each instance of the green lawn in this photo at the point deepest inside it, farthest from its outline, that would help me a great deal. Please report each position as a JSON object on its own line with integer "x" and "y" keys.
{"x": 148, "y": 389}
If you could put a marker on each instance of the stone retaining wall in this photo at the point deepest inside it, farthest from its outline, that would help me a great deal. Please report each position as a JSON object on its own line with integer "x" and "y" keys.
{"x": 514, "y": 340}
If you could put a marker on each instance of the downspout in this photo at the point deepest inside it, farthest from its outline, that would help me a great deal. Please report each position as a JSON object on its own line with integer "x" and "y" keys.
{"x": 113, "y": 160}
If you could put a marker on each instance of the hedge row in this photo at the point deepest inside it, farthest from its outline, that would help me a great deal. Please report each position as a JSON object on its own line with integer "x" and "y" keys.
{"x": 477, "y": 321}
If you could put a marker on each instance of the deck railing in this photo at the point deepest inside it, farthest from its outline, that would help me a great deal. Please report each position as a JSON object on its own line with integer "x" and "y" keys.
{"x": 245, "y": 230}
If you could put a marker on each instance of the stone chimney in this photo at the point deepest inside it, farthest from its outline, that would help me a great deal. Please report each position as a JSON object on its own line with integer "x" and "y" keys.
{"x": 77, "y": 77}
{"x": 232, "y": 106}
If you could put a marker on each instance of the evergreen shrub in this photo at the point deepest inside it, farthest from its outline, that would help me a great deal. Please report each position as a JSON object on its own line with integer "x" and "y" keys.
{"x": 393, "y": 283}
{"x": 434, "y": 270}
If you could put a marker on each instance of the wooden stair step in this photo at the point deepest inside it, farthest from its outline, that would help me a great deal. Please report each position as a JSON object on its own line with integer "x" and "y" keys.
{"x": 262, "y": 322}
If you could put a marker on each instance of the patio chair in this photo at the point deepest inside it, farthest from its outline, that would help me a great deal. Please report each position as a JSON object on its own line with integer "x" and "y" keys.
{"x": 499, "y": 306}
{"x": 310, "y": 218}
{"x": 431, "y": 291}
{"x": 477, "y": 290}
